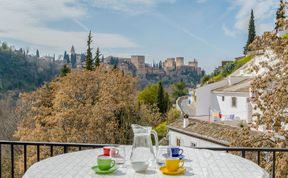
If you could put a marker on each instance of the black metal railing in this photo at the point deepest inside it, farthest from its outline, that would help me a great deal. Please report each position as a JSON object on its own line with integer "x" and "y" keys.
{"x": 244, "y": 150}
{"x": 50, "y": 145}
{"x": 12, "y": 146}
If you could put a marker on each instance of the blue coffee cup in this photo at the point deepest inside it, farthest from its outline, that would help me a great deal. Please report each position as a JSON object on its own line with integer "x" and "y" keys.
{"x": 174, "y": 151}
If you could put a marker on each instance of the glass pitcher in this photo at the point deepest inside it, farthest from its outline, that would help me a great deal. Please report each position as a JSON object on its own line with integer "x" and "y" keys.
{"x": 142, "y": 154}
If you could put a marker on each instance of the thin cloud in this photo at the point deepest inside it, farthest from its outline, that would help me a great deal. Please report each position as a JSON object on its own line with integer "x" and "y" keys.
{"x": 26, "y": 21}
{"x": 134, "y": 7}
{"x": 264, "y": 11}
{"x": 228, "y": 32}
{"x": 189, "y": 33}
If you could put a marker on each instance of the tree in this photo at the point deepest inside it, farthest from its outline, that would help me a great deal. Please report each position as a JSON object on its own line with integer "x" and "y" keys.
{"x": 64, "y": 71}
{"x": 166, "y": 102}
{"x": 73, "y": 57}
{"x": 179, "y": 89}
{"x": 270, "y": 94}
{"x": 205, "y": 79}
{"x": 4, "y": 46}
{"x": 160, "y": 65}
{"x": 89, "y": 57}
{"x": 37, "y": 53}
{"x": 228, "y": 69}
{"x": 150, "y": 96}
{"x": 97, "y": 57}
{"x": 66, "y": 58}
{"x": 280, "y": 16}
{"x": 251, "y": 32}
{"x": 161, "y": 98}
{"x": 84, "y": 107}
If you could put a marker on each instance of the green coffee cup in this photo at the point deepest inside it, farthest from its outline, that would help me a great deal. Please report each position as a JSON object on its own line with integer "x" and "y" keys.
{"x": 105, "y": 162}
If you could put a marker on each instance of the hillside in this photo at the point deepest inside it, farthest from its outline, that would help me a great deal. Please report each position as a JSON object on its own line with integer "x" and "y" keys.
{"x": 19, "y": 73}
{"x": 24, "y": 73}
{"x": 227, "y": 70}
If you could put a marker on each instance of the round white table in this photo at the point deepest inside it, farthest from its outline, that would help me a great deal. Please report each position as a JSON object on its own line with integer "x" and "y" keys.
{"x": 198, "y": 164}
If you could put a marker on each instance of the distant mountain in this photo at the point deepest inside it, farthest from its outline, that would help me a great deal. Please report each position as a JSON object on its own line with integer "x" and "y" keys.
{"x": 24, "y": 72}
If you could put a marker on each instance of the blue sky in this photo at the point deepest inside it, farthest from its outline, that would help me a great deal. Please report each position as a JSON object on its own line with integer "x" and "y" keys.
{"x": 208, "y": 30}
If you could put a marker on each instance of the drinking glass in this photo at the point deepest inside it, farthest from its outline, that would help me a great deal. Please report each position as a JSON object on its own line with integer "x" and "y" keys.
{"x": 120, "y": 158}
{"x": 162, "y": 155}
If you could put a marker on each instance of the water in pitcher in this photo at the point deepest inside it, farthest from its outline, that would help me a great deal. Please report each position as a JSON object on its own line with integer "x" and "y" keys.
{"x": 143, "y": 154}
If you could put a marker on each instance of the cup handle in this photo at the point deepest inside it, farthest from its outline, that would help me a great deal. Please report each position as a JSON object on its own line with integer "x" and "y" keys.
{"x": 181, "y": 164}
{"x": 113, "y": 163}
{"x": 181, "y": 151}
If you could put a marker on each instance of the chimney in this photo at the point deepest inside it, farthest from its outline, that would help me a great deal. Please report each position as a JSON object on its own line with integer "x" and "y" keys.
{"x": 185, "y": 121}
{"x": 229, "y": 81}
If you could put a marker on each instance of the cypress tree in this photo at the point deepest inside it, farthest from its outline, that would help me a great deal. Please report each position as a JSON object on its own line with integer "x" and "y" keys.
{"x": 251, "y": 32}
{"x": 280, "y": 16}
{"x": 73, "y": 60}
{"x": 167, "y": 102}
{"x": 161, "y": 98}
{"x": 89, "y": 58}
{"x": 37, "y": 53}
{"x": 73, "y": 57}
{"x": 66, "y": 58}
{"x": 160, "y": 65}
{"x": 97, "y": 58}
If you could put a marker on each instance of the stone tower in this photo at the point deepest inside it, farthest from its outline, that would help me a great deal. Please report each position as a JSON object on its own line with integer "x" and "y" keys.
{"x": 179, "y": 61}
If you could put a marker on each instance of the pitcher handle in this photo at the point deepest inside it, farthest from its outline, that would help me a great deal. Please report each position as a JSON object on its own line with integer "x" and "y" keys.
{"x": 154, "y": 133}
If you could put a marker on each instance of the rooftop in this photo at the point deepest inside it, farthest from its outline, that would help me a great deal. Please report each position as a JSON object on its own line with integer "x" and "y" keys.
{"x": 240, "y": 87}
{"x": 213, "y": 132}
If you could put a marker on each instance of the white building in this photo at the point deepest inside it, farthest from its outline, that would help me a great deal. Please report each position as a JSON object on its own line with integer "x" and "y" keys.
{"x": 228, "y": 97}
{"x": 232, "y": 100}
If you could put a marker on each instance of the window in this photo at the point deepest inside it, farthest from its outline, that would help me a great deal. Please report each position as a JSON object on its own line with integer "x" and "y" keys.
{"x": 223, "y": 98}
{"x": 234, "y": 102}
{"x": 193, "y": 145}
{"x": 178, "y": 142}
{"x": 248, "y": 100}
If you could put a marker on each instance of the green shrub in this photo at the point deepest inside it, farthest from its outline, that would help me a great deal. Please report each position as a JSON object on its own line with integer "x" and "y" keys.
{"x": 161, "y": 130}
{"x": 242, "y": 61}
{"x": 285, "y": 36}
{"x": 215, "y": 78}
{"x": 229, "y": 68}
{"x": 172, "y": 115}
{"x": 205, "y": 79}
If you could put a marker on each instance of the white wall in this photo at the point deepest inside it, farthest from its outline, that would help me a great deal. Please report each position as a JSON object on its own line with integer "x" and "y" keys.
{"x": 242, "y": 110}
{"x": 205, "y": 98}
{"x": 187, "y": 140}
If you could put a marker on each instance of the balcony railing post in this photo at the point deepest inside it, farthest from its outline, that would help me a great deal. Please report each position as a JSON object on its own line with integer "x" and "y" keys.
{"x": 243, "y": 153}
{"x": 258, "y": 157}
{"x": 65, "y": 149}
{"x": 51, "y": 150}
{"x": 0, "y": 160}
{"x": 25, "y": 158}
{"x": 12, "y": 160}
{"x": 274, "y": 164}
{"x": 38, "y": 153}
